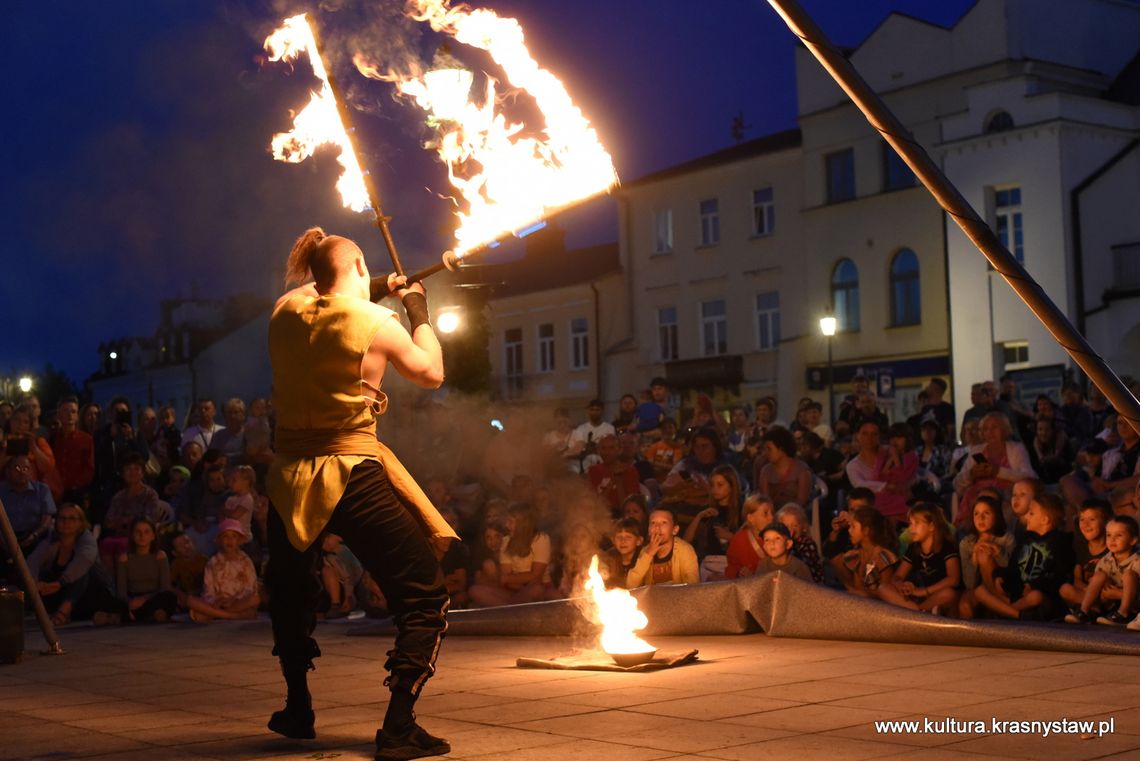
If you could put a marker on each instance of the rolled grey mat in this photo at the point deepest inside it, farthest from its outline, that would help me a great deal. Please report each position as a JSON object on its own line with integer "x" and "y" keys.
{"x": 783, "y": 606}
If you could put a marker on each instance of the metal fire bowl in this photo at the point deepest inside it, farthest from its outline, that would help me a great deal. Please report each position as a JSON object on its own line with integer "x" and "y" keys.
{"x": 625, "y": 660}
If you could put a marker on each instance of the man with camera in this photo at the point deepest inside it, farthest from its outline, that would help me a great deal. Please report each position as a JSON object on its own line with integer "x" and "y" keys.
{"x": 584, "y": 440}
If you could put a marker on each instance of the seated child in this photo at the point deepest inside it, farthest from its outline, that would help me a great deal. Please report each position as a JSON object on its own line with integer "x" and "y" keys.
{"x": 144, "y": 575}
{"x": 229, "y": 588}
{"x": 1021, "y": 496}
{"x": 1088, "y": 548}
{"x": 1115, "y": 578}
{"x": 839, "y": 541}
{"x": 619, "y": 559}
{"x": 187, "y": 570}
{"x": 341, "y": 573}
{"x": 868, "y": 570}
{"x": 485, "y": 558}
{"x": 929, "y": 572}
{"x": 745, "y": 550}
{"x": 1030, "y": 587}
{"x": 777, "y": 543}
{"x": 803, "y": 547}
{"x": 987, "y": 536}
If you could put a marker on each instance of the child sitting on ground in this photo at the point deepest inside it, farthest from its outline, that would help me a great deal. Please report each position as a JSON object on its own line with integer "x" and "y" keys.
{"x": 454, "y": 562}
{"x": 1030, "y": 587}
{"x": 838, "y": 541}
{"x": 620, "y": 559}
{"x": 341, "y": 572}
{"x": 187, "y": 569}
{"x": 485, "y": 558}
{"x": 1021, "y": 497}
{"x": 229, "y": 588}
{"x": 868, "y": 570}
{"x": 987, "y": 537}
{"x": 1088, "y": 548}
{"x": 1115, "y": 578}
{"x": 803, "y": 547}
{"x": 144, "y": 575}
{"x": 929, "y": 572}
{"x": 746, "y": 550}
{"x": 777, "y": 543}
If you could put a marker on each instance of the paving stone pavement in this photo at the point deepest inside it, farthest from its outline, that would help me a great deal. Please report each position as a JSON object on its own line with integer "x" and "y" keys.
{"x": 183, "y": 691}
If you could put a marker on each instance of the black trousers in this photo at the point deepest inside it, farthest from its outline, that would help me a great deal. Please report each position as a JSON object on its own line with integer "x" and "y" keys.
{"x": 391, "y": 546}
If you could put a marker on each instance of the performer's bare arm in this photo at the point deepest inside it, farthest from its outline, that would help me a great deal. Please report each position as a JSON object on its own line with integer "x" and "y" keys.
{"x": 417, "y": 357}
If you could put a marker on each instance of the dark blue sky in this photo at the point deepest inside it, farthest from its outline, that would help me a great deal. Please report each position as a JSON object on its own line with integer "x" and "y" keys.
{"x": 136, "y": 136}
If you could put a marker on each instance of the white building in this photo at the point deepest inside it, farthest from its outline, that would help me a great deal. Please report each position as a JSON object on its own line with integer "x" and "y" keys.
{"x": 1030, "y": 107}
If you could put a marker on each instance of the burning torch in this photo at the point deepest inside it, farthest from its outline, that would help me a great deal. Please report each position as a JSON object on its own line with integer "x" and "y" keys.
{"x": 522, "y": 180}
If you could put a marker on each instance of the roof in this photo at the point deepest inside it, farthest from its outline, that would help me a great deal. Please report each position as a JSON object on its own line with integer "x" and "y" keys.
{"x": 1126, "y": 87}
{"x": 778, "y": 141}
{"x": 547, "y": 265}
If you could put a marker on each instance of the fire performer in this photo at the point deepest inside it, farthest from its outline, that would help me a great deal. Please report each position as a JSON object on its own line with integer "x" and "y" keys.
{"x": 329, "y": 347}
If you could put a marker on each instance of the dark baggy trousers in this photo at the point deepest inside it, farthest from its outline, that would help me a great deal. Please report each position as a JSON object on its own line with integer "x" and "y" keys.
{"x": 392, "y": 547}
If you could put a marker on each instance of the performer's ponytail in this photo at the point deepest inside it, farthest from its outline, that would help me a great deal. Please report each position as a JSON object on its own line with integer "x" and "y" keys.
{"x": 301, "y": 257}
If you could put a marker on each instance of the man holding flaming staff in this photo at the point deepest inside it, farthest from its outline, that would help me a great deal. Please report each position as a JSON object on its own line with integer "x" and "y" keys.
{"x": 329, "y": 347}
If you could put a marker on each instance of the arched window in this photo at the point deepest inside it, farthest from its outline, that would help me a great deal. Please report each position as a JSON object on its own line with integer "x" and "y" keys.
{"x": 998, "y": 121}
{"x": 906, "y": 299}
{"x": 845, "y": 295}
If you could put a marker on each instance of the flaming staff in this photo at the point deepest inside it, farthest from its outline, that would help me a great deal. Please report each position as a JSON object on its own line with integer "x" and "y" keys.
{"x": 507, "y": 182}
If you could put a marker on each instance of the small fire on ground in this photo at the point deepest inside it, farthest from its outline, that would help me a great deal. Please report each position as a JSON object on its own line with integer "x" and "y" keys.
{"x": 616, "y": 610}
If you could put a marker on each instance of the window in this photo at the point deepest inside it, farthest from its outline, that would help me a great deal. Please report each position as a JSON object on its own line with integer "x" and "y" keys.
{"x": 714, "y": 328}
{"x": 1007, "y": 208}
{"x": 840, "y": 168}
{"x": 767, "y": 320}
{"x": 710, "y": 222}
{"x": 579, "y": 343}
{"x": 896, "y": 174}
{"x": 513, "y": 362}
{"x": 763, "y": 212}
{"x": 546, "y": 347}
{"x": 663, "y": 231}
{"x": 998, "y": 121}
{"x": 667, "y": 333}
{"x": 906, "y": 301}
{"x": 845, "y": 295}
{"x": 1015, "y": 353}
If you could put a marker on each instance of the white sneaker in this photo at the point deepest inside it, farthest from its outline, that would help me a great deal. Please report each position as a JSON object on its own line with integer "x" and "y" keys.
{"x": 1134, "y": 624}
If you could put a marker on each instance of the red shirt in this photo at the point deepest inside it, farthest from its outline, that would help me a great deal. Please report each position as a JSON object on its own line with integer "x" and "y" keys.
{"x": 74, "y": 458}
{"x": 614, "y": 487}
{"x": 741, "y": 555}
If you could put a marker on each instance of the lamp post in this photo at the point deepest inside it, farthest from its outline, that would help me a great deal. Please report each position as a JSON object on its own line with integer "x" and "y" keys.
{"x": 827, "y": 326}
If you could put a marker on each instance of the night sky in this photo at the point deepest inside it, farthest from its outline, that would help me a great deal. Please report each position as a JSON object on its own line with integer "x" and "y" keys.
{"x": 136, "y": 138}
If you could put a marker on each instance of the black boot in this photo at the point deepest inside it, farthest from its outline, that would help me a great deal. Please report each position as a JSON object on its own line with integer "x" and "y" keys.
{"x": 401, "y": 737}
{"x": 296, "y": 720}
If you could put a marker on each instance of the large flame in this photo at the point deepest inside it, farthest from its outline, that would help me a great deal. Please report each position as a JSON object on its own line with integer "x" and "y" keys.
{"x": 617, "y": 611}
{"x": 318, "y": 123}
{"x": 506, "y": 181}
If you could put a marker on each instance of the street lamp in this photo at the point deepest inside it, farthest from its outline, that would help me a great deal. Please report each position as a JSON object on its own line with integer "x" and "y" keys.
{"x": 25, "y": 384}
{"x": 827, "y": 326}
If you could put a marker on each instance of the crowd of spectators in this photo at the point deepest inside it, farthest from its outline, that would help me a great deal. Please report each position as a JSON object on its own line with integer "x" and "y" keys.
{"x": 1020, "y": 511}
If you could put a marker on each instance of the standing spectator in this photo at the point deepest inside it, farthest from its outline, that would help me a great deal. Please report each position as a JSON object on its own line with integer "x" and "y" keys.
{"x": 627, "y": 413}
{"x": 231, "y": 439}
{"x": 241, "y": 504}
{"x": 705, "y": 415}
{"x": 866, "y": 410}
{"x": 204, "y": 429}
{"x": 144, "y": 576}
{"x": 28, "y": 503}
{"x": 1020, "y": 416}
{"x": 6, "y": 410}
{"x": 148, "y": 440}
{"x": 74, "y": 451}
{"x": 113, "y": 442}
{"x": 584, "y": 441}
{"x": 89, "y": 417}
{"x": 21, "y": 439}
{"x": 1075, "y": 413}
{"x": 168, "y": 442}
{"x": 785, "y": 478}
{"x": 740, "y": 429}
{"x": 629, "y": 452}
{"x": 666, "y": 558}
{"x": 556, "y": 441}
{"x": 849, "y": 407}
{"x": 35, "y": 411}
{"x": 659, "y": 391}
{"x": 938, "y": 409}
{"x": 666, "y": 452}
{"x": 651, "y": 412}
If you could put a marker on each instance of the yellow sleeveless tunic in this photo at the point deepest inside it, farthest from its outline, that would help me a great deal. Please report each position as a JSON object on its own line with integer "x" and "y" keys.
{"x": 326, "y": 414}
